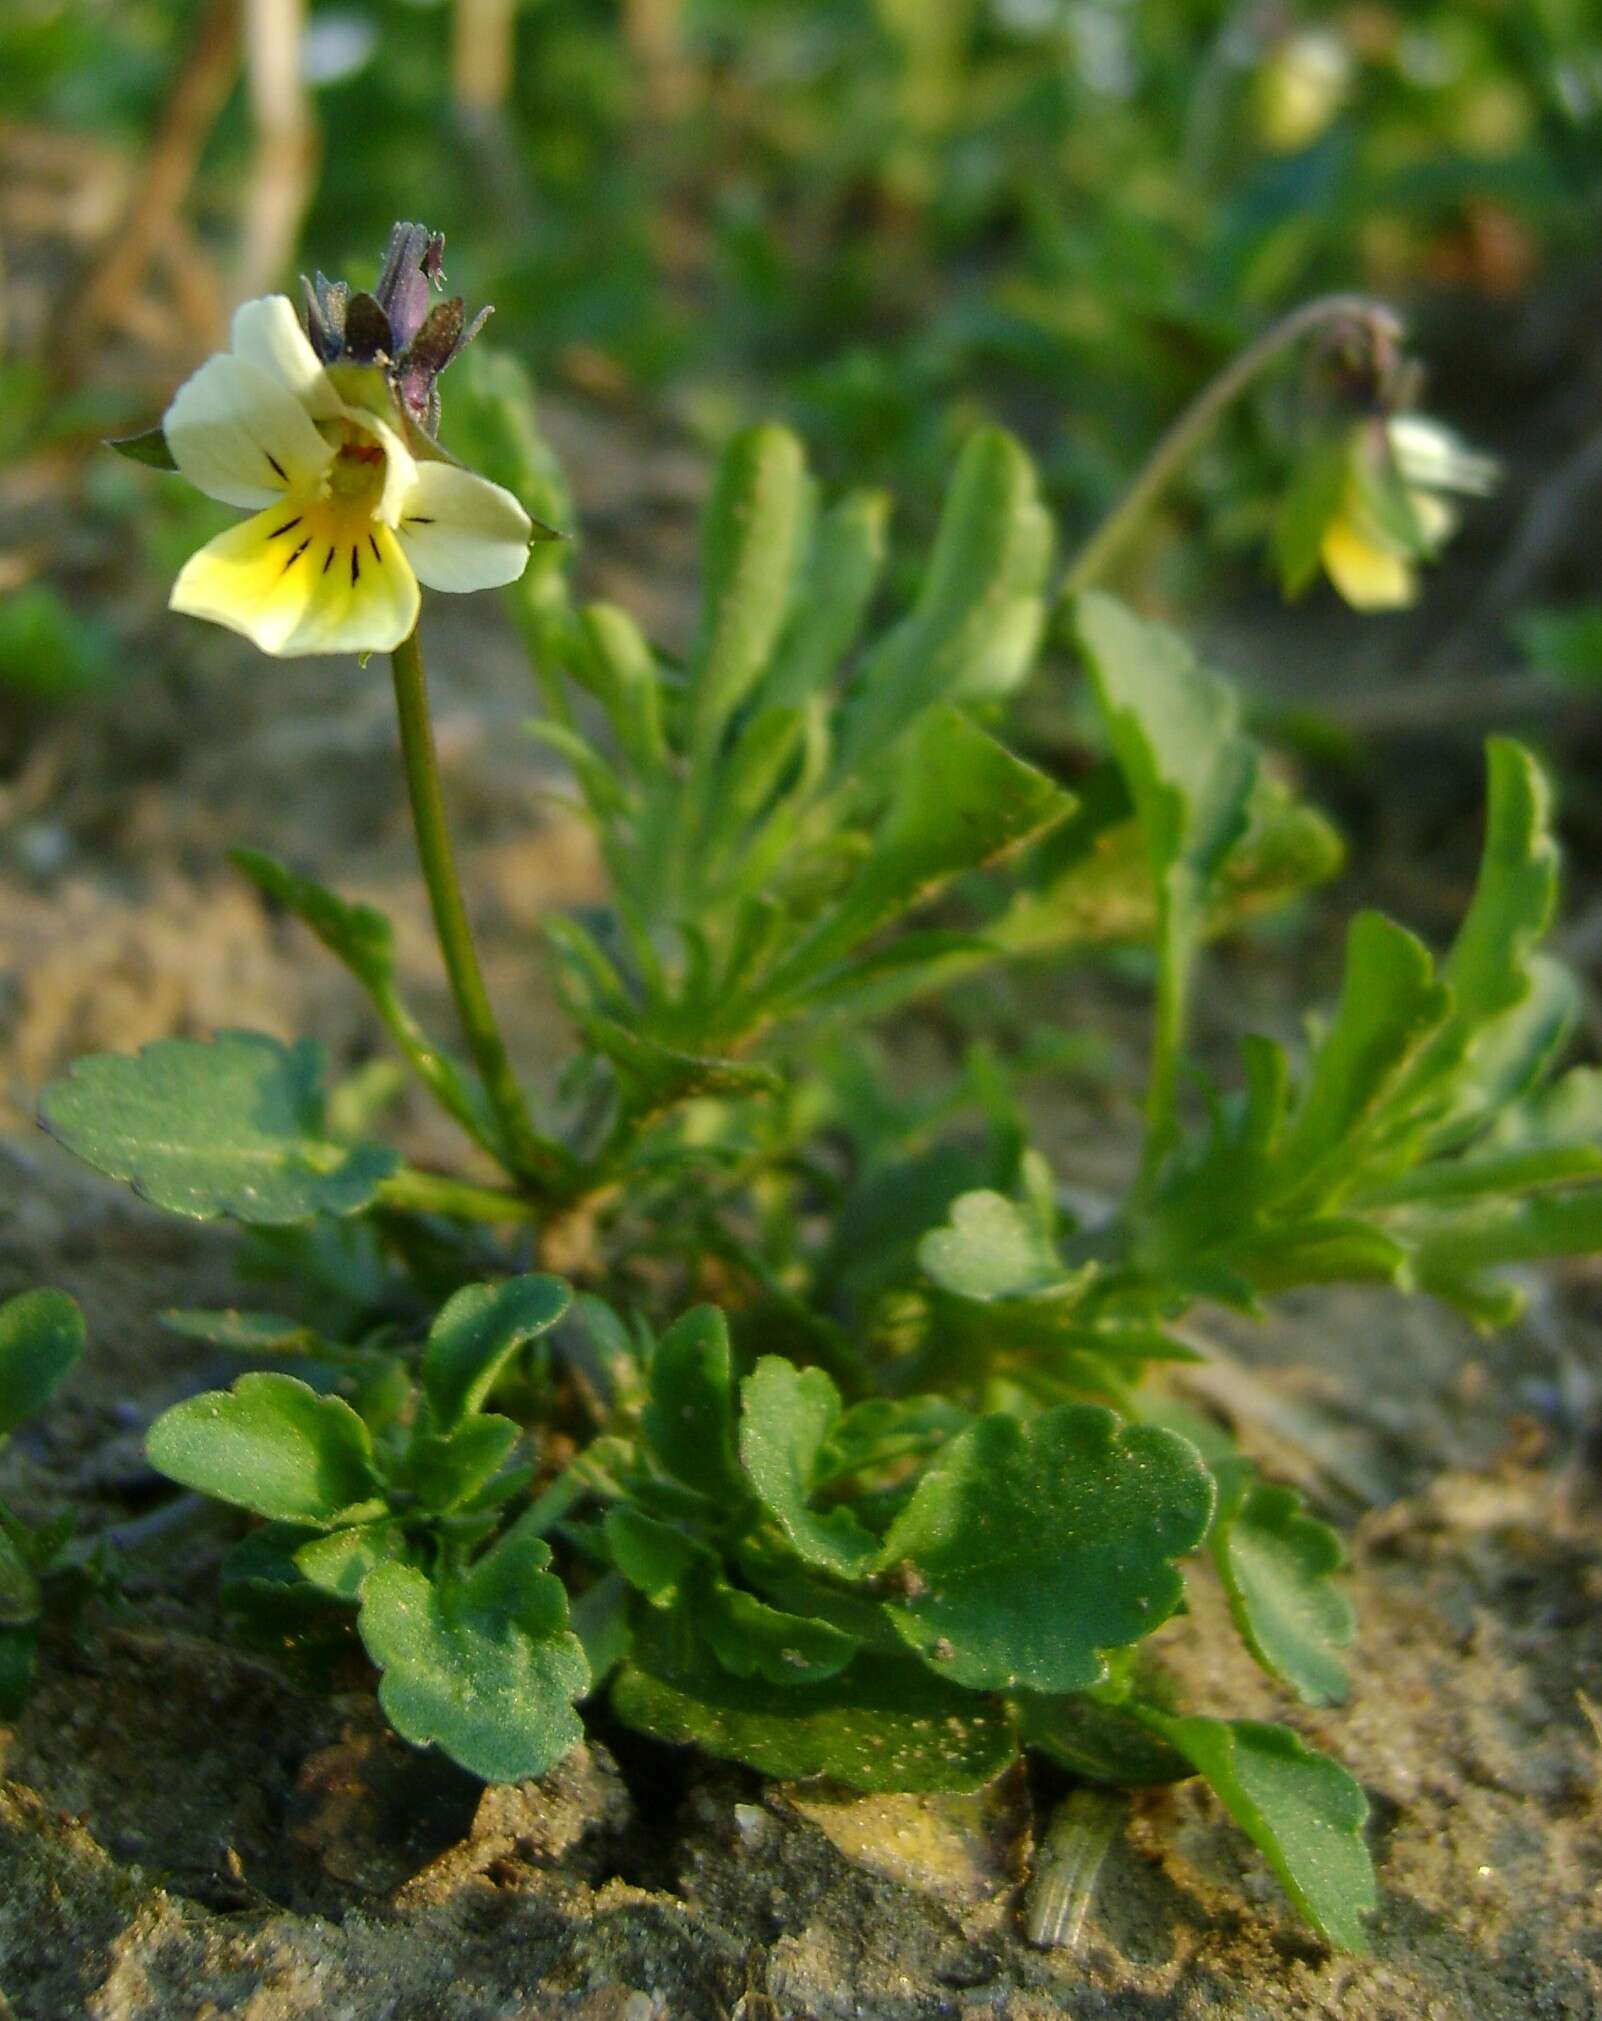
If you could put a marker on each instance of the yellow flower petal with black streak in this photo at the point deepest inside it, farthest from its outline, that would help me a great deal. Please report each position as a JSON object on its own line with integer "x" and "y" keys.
{"x": 347, "y": 521}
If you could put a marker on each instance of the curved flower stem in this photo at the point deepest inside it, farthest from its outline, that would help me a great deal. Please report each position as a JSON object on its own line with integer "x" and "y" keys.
{"x": 1197, "y": 422}
{"x": 536, "y": 1159}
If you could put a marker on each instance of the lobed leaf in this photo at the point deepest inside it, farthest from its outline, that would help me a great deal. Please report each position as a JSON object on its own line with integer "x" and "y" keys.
{"x": 232, "y": 1126}
{"x": 483, "y": 1667}
{"x": 990, "y": 1249}
{"x": 880, "y": 1724}
{"x": 788, "y": 1417}
{"x": 1302, "y": 1811}
{"x": 271, "y": 1445}
{"x": 1028, "y": 1549}
{"x": 980, "y": 612}
{"x": 477, "y": 1332}
{"x": 1278, "y": 1567}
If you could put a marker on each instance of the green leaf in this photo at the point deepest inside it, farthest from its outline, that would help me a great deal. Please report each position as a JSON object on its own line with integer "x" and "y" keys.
{"x": 268, "y": 1334}
{"x": 1028, "y": 1549}
{"x": 788, "y": 1416}
{"x": 883, "y": 1429}
{"x": 751, "y": 1639}
{"x": 477, "y": 1332}
{"x": 17, "y": 1647}
{"x": 1099, "y": 1742}
{"x": 149, "y": 447}
{"x": 842, "y": 572}
{"x": 41, "y": 1339}
{"x": 657, "y": 1076}
{"x": 979, "y": 616}
{"x": 270, "y": 1605}
{"x": 1190, "y": 766}
{"x": 451, "y": 1471}
{"x": 1391, "y": 1007}
{"x": 1512, "y": 1009}
{"x": 359, "y": 935}
{"x": 21, "y": 1601}
{"x": 1302, "y": 1810}
{"x": 990, "y": 1250}
{"x": 271, "y": 1445}
{"x": 340, "y": 1562}
{"x": 230, "y": 1126}
{"x": 881, "y": 1724}
{"x": 654, "y": 1557}
{"x": 752, "y": 544}
{"x": 690, "y": 1417}
{"x": 485, "y": 1667}
{"x": 1278, "y": 1567}
{"x": 960, "y": 801}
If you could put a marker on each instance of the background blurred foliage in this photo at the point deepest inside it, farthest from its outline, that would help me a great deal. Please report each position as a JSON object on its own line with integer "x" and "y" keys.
{"x": 887, "y": 220}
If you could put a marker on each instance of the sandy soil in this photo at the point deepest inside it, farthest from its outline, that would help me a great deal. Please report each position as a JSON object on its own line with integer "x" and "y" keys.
{"x": 183, "y": 1836}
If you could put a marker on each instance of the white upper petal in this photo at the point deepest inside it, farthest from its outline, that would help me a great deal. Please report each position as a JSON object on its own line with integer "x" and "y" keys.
{"x": 400, "y": 466}
{"x": 267, "y": 333}
{"x": 238, "y": 434}
{"x": 462, "y": 532}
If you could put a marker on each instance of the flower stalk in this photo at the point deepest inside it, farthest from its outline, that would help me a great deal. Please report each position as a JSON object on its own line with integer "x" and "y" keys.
{"x": 1204, "y": 413}
{"x": 531, "y": 1157}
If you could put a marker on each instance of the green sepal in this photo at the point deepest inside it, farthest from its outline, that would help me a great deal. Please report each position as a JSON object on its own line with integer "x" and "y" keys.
{"x": 149, "y": 447}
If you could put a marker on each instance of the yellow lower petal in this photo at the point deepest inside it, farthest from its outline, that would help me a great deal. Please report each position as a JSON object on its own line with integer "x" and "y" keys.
{"x": 1370, "y": 577}
{"x": 304, "y": 577}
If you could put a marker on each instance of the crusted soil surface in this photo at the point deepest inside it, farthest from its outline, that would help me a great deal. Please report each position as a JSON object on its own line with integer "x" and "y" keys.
{"x": 183, "y": 1836}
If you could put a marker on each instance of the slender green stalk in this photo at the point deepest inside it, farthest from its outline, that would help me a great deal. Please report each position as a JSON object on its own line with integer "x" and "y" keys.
{"x": 1197, "y": 422}
{"x": 1168, "y": 1037}
{"x": 430, "y": 1193}
{"x": 522, "y": 1149}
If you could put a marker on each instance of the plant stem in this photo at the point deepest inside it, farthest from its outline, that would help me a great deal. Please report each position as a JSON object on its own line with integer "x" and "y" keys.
{"x": 430, "y": 1193}
{"x": 1174, "y": 964}
{"x": 1198, "y": 420}
{"x": 522, "y": 1149}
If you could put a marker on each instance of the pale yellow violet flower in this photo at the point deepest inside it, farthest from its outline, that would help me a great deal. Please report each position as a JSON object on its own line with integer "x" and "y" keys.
{"x": 1395, "y": 508}
{"x": 346, "y": 521}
